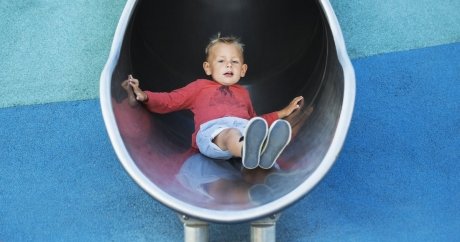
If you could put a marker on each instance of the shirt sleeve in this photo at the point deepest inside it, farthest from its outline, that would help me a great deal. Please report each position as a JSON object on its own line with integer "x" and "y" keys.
{"x": 270, "y": 117}
{"x": 166, "y": 102}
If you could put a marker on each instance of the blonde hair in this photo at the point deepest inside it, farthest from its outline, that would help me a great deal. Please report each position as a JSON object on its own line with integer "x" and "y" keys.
{"x": 225, "y": 40}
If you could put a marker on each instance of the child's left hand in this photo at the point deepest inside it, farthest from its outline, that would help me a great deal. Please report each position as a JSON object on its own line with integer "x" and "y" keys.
{"x": 289, "y": 109}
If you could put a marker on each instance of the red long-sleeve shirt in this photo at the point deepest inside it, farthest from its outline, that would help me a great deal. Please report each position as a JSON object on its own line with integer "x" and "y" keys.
{"x": 207, "y": 100}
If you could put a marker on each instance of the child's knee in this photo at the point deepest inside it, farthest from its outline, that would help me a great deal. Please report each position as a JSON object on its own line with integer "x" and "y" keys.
{"x": 232, "y": 132}
{"x": 226, "y": 136}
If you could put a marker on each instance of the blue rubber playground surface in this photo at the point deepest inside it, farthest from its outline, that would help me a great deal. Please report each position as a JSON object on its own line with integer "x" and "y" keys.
{"x": 396, "y": 178}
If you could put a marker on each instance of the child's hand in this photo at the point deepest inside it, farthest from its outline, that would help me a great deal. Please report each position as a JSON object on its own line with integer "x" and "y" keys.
{"x": 289, "y": 109}
{"x": 140, "y": 95}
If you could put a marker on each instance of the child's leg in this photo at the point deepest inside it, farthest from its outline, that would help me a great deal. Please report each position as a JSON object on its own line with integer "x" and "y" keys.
{"x": 219, "y": 138}
{"x": 229, "y": 139}
{"x": 249, "y": 147}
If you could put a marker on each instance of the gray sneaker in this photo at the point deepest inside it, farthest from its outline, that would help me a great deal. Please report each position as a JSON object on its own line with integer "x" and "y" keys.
{"x": 278, "y": 138}
{"x": 254, "y": 137}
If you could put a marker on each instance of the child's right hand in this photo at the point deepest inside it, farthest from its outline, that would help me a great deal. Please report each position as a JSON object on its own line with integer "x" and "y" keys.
{"x": 140, "y": 95}
{"x": 289, "y": 109}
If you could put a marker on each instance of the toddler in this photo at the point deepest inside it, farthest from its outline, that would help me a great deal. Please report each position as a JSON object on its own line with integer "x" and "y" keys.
{"x": 226, "y": 124}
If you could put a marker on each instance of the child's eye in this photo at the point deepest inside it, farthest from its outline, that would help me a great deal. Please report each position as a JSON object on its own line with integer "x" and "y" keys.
{"x": 220, "y": 61}
{"x": 235, "y": 62}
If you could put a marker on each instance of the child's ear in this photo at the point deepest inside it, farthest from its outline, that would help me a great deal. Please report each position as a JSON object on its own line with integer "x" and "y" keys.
{"x": 244, "y": 68}
{"x": 207, "y": 68}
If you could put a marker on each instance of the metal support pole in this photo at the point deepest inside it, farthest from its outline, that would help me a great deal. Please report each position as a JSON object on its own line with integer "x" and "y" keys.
{"x": 194, "y": 230}
{"x": 264, "y": 230}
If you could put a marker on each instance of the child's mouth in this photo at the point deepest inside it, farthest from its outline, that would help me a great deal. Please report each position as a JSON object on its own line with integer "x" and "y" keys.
{"x": 228, "y": 74}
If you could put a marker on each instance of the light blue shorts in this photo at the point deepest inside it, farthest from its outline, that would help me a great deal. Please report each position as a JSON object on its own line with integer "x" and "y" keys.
{"x": 209, "y": 130}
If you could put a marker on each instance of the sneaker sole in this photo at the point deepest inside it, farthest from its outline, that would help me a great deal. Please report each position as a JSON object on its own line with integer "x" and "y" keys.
{"x": 278, "y": 138}
{"x": 254, "y": 137}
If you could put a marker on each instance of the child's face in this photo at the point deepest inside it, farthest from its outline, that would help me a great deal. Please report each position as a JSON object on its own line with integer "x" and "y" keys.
{"x": 225, "y": 64}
